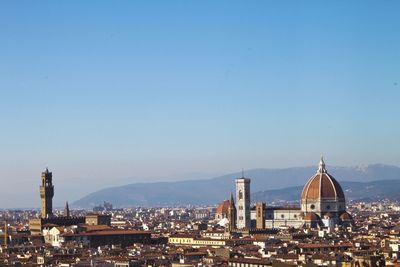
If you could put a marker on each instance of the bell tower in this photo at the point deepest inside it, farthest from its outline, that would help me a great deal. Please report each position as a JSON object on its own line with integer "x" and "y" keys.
{"x": 243, "y": 203}
{"x": 46, "y": 194}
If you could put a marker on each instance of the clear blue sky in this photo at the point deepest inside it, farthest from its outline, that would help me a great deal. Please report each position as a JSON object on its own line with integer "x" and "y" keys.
{"x": 110, "y": 92}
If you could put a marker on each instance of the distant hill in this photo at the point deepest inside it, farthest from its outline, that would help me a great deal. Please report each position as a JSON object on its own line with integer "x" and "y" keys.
{"x": 353, "y": 191}
{"x": 211, "y": 191}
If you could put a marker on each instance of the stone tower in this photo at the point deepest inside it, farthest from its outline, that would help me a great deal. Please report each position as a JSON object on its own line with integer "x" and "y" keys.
{"x": 260, "y": 215}
{"x": 243, "y": 202}
{"x": 66, "y": 210}
{"x": 232, "y": 214}
{"x": 46, "y": 194}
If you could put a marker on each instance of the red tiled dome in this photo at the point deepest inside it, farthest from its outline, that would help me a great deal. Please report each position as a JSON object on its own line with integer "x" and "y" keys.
{"x": 322, "y": 185}
{"x": 223, "y": 207}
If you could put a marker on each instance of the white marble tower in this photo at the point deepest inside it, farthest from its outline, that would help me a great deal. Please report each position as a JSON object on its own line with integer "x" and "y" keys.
{"x": 243, "y": 203}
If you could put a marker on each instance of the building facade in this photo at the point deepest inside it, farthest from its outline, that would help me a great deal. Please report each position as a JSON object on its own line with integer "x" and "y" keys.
{"x": 276, "y": 217}
{"x": 98, "y": 219}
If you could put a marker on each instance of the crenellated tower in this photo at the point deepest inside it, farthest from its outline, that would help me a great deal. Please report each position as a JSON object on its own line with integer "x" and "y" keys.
{"x": 46, "y": 194}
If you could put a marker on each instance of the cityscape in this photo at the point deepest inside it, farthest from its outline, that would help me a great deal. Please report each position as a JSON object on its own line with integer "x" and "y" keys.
{"x": 200, "y": 133}
{"x": 324, "y": 230}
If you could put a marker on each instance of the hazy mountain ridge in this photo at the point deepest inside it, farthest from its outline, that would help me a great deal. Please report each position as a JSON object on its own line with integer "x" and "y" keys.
{"x": 211, "y": 191}
{"x": 353, "y": 191}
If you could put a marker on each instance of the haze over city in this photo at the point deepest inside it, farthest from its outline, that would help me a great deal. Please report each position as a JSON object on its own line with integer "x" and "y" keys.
{"x": 200, "y": 133}
{"x": 116, "y": 93}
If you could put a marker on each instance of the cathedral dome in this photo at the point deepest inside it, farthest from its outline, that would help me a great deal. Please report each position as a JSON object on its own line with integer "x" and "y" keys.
{"x": 322, "y": 186}
{"x": 223, "y": 207}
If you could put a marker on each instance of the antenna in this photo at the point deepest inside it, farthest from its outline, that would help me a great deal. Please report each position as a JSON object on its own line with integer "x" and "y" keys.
{"x": 242, "y": 173}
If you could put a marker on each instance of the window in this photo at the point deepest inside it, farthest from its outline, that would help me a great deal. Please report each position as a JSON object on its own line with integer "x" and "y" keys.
{"x": 312, "y": 206}
{"x": 282, "y": 216}
{"x": 328, "y": 207}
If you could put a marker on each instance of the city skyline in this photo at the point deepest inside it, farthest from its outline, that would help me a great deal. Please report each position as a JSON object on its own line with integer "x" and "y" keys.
{"x": 110, "y": 94}
{"x": 359, "y": 179}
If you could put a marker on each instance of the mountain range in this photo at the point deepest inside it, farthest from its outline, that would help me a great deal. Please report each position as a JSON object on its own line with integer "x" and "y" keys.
{"x": 362, "y": 191}
{"x": 367, "y": 181}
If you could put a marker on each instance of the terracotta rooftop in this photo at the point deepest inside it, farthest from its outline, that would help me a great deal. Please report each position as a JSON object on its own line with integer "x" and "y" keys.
{"x": 223, "y": 207}
{"x": 110, "y": 232}
{"x": 311, "y": 216}
{"x": 310, "y": 245}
